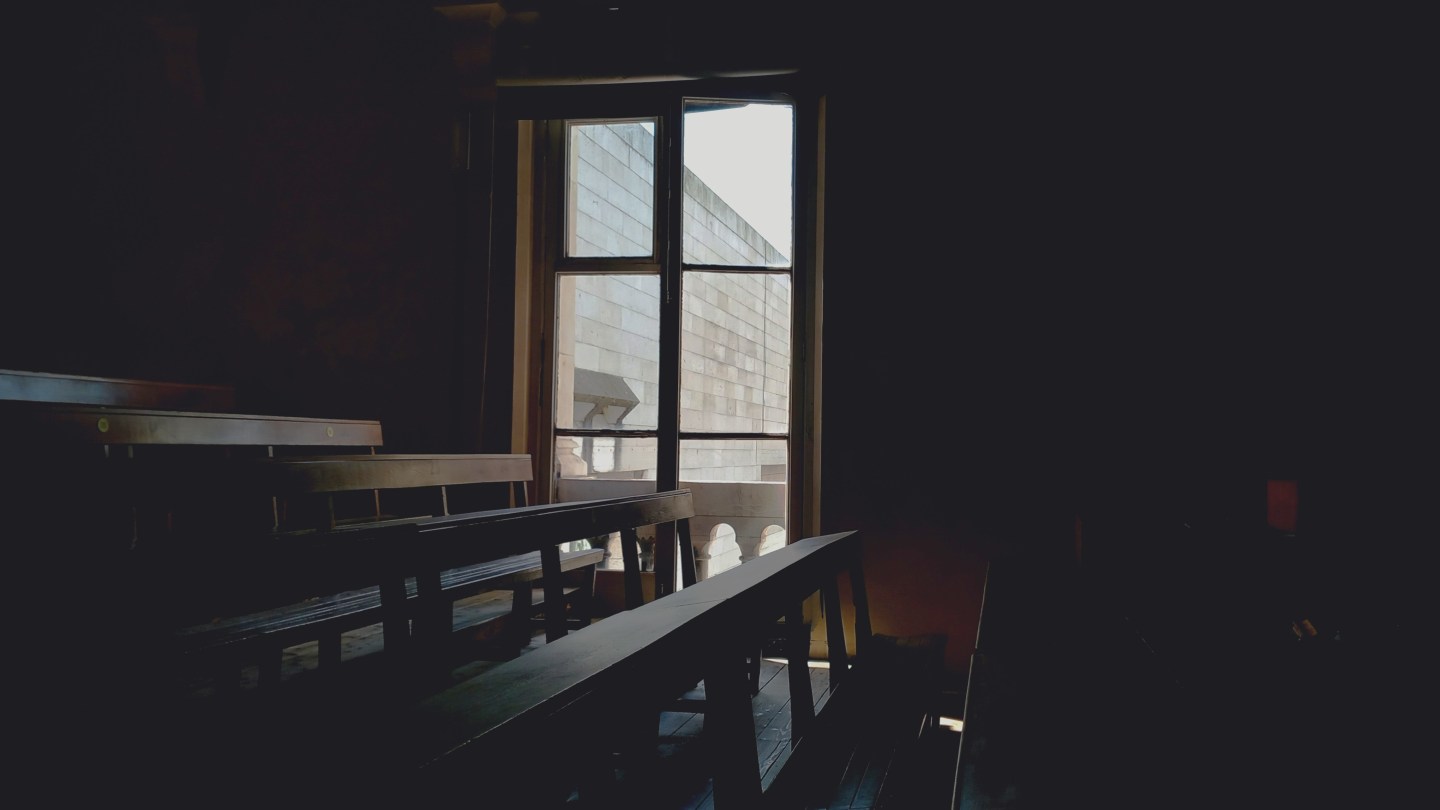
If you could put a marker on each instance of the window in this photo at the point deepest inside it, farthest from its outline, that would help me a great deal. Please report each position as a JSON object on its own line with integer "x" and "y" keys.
{"x": 669, "y": 300}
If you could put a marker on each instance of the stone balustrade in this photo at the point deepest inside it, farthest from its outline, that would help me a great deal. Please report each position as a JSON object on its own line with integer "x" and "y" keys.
{"x": 735, "y": 521}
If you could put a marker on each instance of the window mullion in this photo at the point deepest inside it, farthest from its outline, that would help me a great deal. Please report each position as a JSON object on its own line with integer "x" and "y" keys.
{"x": 550, "y": 194}
{"x": 671, "y": 273}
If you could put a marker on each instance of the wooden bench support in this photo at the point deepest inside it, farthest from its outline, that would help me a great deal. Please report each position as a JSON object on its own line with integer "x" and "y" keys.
{"x": 630, "y": 557}
{"x": 730, "y": 734}
{"x": 802, "y": 701}
{"x": 555, "y": 626}
{"x": 834, "y": 632}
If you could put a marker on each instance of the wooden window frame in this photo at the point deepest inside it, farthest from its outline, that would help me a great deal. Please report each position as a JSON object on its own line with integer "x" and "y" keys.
{"x": 540, "y": 114}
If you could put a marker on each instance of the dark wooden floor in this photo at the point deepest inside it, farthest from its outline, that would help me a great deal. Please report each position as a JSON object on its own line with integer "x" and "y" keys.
{"x": 861, "y": 768}
{"x": 1070, "y": 705}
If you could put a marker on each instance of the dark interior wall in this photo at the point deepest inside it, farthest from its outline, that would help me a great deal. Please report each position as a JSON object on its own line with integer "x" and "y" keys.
{"x": 1126, "y": 269}
{"x": 254, "y": 194}
{"x": 339, "y": 217}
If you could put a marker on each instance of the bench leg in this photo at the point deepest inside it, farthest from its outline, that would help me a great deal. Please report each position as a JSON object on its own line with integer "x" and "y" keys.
{"x": 553, "y": 583}
{"x": 687, "y": 553}
{"x": 521, "y": 609}
{"x": 640, "y": 755}
{"x": 730, "y": 730}
{"x": 835, "y": 630}
{"x": 584, "y": 600}
{"x": 797, "y": 648}
{"x": 395, "y": 619}
{"x": 861, "y": 602}
{"x": 630, "y": 555}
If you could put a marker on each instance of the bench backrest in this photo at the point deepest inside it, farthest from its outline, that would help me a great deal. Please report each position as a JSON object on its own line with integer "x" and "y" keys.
{"x": 321, "y": 492}
{"x": 449, "y": 542}
{"x": 294, "y": 475}
{"x": 40, "y": 409}
{"x": 37, "y": 386}
{"x": 266, "y": 518}
{"x": 453, "y": 540}
{"x": 76, "y": 466}
{"x": 64, "y": 425}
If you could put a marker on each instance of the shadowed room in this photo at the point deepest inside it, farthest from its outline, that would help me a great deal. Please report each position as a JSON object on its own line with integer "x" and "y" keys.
{"x": 1156, "y": 276}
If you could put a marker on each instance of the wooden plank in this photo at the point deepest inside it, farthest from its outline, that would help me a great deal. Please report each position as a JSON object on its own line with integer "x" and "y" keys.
{"x": 295, "y": 623}
{"x": 448, "y": 539}
{"x": 455, "y": 729}
{"x": 43, "y": 423}
{"x": 298, "y": 491}
{"x": 77, "y": 389}
{"x": 314, "y": 474}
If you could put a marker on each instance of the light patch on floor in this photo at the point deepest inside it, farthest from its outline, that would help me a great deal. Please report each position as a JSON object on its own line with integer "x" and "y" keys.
{"x": 812, "y": 663}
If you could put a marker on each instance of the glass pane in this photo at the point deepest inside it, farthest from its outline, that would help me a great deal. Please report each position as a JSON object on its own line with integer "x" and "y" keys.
{"x": 735, "y": 353}
{"x": 739, "y": 490}
{"x": 739, "y": 187}
{"x": 610, "y": 190}
{"x": 593, "y": 468}
{"x": 607, "y": 351}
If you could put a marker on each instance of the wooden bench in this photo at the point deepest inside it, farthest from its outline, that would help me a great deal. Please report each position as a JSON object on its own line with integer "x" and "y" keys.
{"x": 63, "y": 458}
{"x": 59, "y": 424}
{"x": 78, "y": 469}
{"x": 85, "y": 549}
{"x": 407, "y": 574}
{"x": 599, "y": 692}
{"x": 49, "y": 416}
{"x": 304, "y": 492}
{"x": 580, "y": 712}
{"x": 75, "y": 389}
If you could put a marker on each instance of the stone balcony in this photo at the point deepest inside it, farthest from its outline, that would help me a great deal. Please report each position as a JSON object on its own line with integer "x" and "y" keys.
{"x": 735, "y": 521}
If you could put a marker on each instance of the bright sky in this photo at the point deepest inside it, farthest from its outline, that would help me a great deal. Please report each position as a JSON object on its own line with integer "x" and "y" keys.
{"x": 744, "y": 154}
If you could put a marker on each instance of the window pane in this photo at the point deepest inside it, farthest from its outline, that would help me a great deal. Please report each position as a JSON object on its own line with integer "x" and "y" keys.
{"x": 604, "y": 466}
{"x": 593, "y": 468}
{"x": 610, "y": 190}
{"x": 607, "y": 361}
{"x": 739, "y": 492}
{"x": 738, "y": 191}
{"x": 735, "y": 353}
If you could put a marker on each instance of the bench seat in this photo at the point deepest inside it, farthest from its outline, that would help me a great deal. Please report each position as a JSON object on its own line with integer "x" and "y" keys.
{"x": 404, "y": 575}
{"x": 330, "y": 615}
